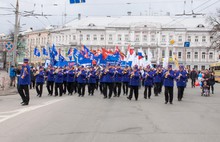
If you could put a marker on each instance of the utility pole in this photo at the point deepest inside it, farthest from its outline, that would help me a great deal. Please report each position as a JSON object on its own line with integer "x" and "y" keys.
{"x": 16, "y": 30}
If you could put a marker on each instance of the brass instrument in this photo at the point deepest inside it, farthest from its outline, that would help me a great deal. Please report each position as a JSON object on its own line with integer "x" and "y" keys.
{"x": 78, "y": 74}
{"x": 167, "y": 74}
{"x": 132, "y": 74}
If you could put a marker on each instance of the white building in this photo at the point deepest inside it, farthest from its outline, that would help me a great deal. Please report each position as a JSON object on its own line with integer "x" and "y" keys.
{"x": 152, "y": 32}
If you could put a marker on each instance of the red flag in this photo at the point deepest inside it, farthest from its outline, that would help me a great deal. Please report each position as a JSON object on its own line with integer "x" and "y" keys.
{"x": 104, "y": 53}
{"x": 116, "y": 49}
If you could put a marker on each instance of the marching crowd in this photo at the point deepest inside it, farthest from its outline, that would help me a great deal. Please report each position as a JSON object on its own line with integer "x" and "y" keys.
{"x": 110, "y": 80}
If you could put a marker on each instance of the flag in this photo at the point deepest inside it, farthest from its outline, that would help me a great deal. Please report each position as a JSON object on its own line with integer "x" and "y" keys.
{"x": 61, "y": 58}
{"x": 104, "y": 53}
{"x": 166, "y": 59}
{"x": 77, "y": 1}
{"x": 149, "y": 56}
{"x": 175, "y": 60}
{"x": 86, "y": 52}
{"x": 54, "y": 51}
{"x": 141, "y": 54}
{"x": 45, "y": 51}
{"x": 36, "y": 52}
{"x": 131, "y": 51}
{"x": 70, "y": 54}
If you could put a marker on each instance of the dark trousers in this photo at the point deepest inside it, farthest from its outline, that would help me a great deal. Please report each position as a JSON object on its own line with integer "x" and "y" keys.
{"x": 97, "y": 84}
{"x": 101, "y": 86}
{"x": 180, "y": 92}
{"x": 81, "y": 89}
{"x": 161, "y": 86}
{"x": 157, "y": 88}
{"x": 64, "y": 87}
{"x": 32, "y": 85}
{"x": 193, "y": 83}
{"x": 168, "y": 94}
{"x": 91, "y": 88}
{"x": 70, "y": 87}
{"x": 24, "y": 93}
{"x": 60, "y": 87}
{"x": 147, "y": 92}
{"x": 117, "y": 89}
{"x": 212, "y": 88}
{"x": 125, "y": 88}
{"x": 106, "y": 87}
{"x": 134, "y": 89}
{"x": 39, "y": 89}
{"x": 50, "y": 85}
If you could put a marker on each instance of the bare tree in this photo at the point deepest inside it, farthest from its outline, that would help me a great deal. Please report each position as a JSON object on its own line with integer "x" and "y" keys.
{"x": 215, "y": 35}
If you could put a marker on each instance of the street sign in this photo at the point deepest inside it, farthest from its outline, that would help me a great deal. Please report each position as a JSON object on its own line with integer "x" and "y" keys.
{"x": 186, "y": 44}
{"x": 9, "y": 46}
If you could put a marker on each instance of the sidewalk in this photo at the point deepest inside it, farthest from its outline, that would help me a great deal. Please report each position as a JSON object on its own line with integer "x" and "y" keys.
{"x": 5, "y": 88}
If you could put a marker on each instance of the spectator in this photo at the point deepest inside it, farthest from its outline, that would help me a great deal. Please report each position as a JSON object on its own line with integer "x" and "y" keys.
{"x": 193, "y": 76}
{"x": 12, "y": 76}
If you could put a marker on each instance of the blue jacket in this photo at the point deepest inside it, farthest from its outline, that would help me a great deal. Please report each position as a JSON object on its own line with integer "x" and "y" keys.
{"x": 169, "y": 81}
{"x": 50, "y": 75}
{"x": 118, "y": 75}
{"x": 92, "y": 77}
{"x": 102, "y": 76}
{"x": 125, "y": 77}
{"x": 135, "y": 80}
{"x": 109, "y": 76}
{"x": 27, "y": 76}
{"x": 40, "y": 77}
{"x": 12, "y": 72}
{"x": 59, "y": 77}
{"x": 157, "y": 77}
{"x": 181, "y": 82}
{"x": 82, "y": 77}
{"x": 71, "y": 76}
{"x": 148, "y": 80}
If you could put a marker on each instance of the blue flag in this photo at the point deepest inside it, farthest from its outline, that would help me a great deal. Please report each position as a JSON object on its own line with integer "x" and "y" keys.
{"x": 54, "y": 51}
{"x": 36, "y": 52}
{"x": 77, "y": 1}
{"x": 61, "y": 58}
{"x": 45, "y": 51}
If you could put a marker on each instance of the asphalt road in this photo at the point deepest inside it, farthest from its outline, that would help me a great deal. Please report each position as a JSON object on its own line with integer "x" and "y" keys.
{"x": 93, "y": 119}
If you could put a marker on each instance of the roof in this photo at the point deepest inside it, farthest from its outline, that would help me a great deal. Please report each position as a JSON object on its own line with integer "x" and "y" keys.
{"x": 139, "y": 21}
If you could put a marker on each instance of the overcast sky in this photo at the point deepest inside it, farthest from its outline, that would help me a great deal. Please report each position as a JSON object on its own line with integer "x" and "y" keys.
{"x": 95, "y": 8}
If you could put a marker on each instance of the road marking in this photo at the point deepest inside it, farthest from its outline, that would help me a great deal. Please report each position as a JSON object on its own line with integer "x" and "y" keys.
{"x": 17, "y": 112}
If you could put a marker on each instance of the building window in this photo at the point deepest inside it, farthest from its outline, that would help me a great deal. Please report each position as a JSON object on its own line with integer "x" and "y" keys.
{"x": 110, "y": 37}
{"x": 189, "y": 39}
{"x": 74, "y": 37}
{"x": 179, "y": 55}
{"x": 210, "y": 55}
{"x": 137, "y": 38}
{"x": 163, "y": 38}
{"x": 203, "y": 38}
{"x": 196, "y": 55}
{"x": 66, "y": 37}
{"x": 170, "y": 53}
{"x": 152, "y": 38}
{"x": 70, "y": 37}
{"x": 188, "y": 55}
{"x": 81, "y": 37}
{"x": 170, "y": 38}
{"x": 163, "y": 53}
{"x": 126, "y": 37}
{"x": 180, "y": 38}
{"x": 196, "y": 67}
{"x": 203, "y": 55}
{"x": 119, "y": 38}
{"x": 102, "y": 37}
{"x": 94, "y": 37}
{"x": 203, "y": 67}
{"x": 63, "y": 38}
{"x": 196, "y": 39}
{"x": 144, "y": 37}
{"x": 87, "y": 37}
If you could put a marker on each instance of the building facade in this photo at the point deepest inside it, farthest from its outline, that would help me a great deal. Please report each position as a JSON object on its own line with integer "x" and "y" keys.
{"x": 138, "y": 32}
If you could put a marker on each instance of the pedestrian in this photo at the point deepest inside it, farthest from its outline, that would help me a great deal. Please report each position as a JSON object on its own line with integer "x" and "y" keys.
{"x": 24, "y": 82}
{"x": 118, "y": 80}
{"x": 81, "y": 79}
{"x": 168, "y": 83}
{"x": 212, "y": 82}
{"x": 50, "y": 73}
{"x": 59, "y": 82}
{"x": 65, "y": 79}
{"x": 181, "y": 80}
{"x": 40, "y": 81}
{"x": 125, "y": 80}
{"x": 91, "y": 81}
{"x": 193, "y": 76}
{"x": 12, "y": 75}
{"x": 33, "y": 78}
{"x": 71, "y": 80}
{"x": 157, "y": 79}
{"x": 148, "y": 82}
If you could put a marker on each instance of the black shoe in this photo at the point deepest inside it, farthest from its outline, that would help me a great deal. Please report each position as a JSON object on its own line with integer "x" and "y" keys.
{"x": 171, "y": 103}
{"x": 104, "y": 97}
{"x": 166, "y": 102}
{"x": 24, "y": 104}
{"x": 128, "y": 98}
{"x": 145, "y": 97}
{"x": 148, "y": 97}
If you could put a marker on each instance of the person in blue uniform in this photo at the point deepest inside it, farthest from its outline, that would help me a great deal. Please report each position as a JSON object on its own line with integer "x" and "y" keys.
{"x": 71, "y": 80}
{"x": 81, "y": 79}
{"x": 181, "y": 79}
{"x": 108, "y": 79}
{"x": 157, "y": 79}
{"x": 101, "y": 80}
{"x": 168, "y": 83}
{"x": 91, "y": 81}
{"x": 125, "y": 80}
{"x": 59, "y": 82}
{"x": 118, "y": 81}
{"x": 148, "y": 82}
{"x": 50, "y": 80}
{"x": 40, "y": 81}
{"x": 65, "y": 79}
{"x": 134, "y": 83}
{"x": 24, "y": 82}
